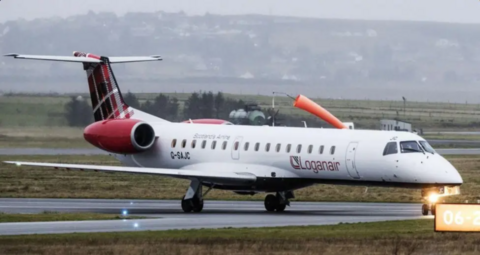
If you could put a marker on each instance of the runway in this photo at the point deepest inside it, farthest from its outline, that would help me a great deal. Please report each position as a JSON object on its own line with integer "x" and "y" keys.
{"x": 167, "y": 215}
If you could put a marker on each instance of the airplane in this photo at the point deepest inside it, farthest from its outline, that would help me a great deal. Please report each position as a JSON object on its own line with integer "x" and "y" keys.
{"x": 249, "y": 159}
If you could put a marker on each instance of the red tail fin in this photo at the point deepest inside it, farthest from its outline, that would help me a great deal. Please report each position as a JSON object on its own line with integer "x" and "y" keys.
{"x": 107, "y": 100}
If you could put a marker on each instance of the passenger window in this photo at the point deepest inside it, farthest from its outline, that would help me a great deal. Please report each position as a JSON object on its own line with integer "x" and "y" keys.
{"x": 194, "y": 143}
{"x": 279, "y": 147}
{"x": 410, "y": 147}
{"x": 310, "y": 149}
{"x": 214, "y": 144}
{"x": 321, "y": 150}
{"x": 235, "y": 146}
{"x": 245, "y": 147}
{"x": 267, "y": 147}
{"x": 204, "y": 143}
{"x": 289, "y": 146}
{"x": 174, "y": 142}
{"x": 332, "y": 150}
{"x": 257, "y": 146}
{"x": 184, "y": 143}
{"x": 224, "y": 145}
{"x": 299, "y": 148}
{"x": 391, "y": 148}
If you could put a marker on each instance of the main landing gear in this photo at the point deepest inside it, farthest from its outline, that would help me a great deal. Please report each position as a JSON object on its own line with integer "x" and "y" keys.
{"x": 278, "y": 202}
{"x": 193, "y": 199}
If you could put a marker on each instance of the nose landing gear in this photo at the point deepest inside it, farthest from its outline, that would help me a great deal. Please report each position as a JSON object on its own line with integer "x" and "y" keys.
{"x": 431, "y": 197}
{"x": 428, "y": 208}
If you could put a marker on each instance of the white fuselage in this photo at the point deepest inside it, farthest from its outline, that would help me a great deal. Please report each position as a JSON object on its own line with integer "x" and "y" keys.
{"x": 351, "y": 157}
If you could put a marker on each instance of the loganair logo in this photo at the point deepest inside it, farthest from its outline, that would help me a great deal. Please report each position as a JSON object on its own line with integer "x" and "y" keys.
{"x": 315, "y": 166}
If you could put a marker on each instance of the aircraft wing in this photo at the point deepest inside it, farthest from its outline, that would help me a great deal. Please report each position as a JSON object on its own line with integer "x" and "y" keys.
{"x": 200, "y": 174}
{"x": 113, "y": 60}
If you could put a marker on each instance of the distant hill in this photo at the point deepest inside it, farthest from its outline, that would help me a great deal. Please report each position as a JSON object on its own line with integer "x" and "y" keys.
{"x": 253, "y": 54}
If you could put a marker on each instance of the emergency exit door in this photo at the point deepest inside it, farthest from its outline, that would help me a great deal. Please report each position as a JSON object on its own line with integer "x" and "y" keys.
{"x": 350, "y": 160}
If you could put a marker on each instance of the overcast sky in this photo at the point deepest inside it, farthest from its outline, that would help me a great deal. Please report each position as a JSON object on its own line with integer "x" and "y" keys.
{"x": 465, "y": 11}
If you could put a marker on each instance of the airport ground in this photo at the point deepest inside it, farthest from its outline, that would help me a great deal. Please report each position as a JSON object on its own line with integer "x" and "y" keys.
{"x": 35, "y": 122}
{"x": 394, "y": 237}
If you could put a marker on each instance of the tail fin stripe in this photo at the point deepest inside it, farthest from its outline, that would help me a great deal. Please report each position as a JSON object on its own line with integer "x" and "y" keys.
{"x": 119, "y": 103}
{"x": 107, "y": 97}
{"x": 102, "y": 87}
{"x": 94, "y": 93}
{"x": 111, "y": 96}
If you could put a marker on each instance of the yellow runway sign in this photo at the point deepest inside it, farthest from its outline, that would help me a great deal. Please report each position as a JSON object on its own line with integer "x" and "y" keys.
{"x": 457, "y": 218}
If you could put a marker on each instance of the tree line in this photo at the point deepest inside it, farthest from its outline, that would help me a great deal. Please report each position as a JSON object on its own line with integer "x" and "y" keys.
{"x": 78, "y": 111}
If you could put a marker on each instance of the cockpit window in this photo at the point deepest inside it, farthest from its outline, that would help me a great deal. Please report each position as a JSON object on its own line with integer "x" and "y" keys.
{"x": 426, "y": 146}
{"x": 410, "y": 147}
{"x": 391, "y": 148}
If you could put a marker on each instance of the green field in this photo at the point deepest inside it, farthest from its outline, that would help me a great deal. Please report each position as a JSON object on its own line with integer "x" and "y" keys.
{"x": 48, "y": 111}
{"x": 34, "y": 182}
{"x": 56, "y": 216}
{"x": 396, "y": 237}
{"x": 42, "y": 137}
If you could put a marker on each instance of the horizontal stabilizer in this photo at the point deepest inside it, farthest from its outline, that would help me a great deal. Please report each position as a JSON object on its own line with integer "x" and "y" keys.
{"x": 112, "y": 60}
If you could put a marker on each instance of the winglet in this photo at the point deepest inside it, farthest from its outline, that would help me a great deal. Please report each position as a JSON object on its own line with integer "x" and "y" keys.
{"x": 11, "y": 55}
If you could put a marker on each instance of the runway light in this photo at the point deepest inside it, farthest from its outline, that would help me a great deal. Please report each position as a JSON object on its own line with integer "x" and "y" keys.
{"x": 131, "y": 203}
{"x": 124, "y": 212}
{"x": 18, "y": 164}
{"x": 433, "y": 198}
{"x": 135, "y": 225}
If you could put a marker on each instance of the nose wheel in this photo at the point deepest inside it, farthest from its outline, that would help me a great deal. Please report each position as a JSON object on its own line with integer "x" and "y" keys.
{"x": 426, "y": 208}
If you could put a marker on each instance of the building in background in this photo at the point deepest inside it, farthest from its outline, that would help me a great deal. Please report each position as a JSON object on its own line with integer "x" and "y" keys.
{"x": 395, "y": 125}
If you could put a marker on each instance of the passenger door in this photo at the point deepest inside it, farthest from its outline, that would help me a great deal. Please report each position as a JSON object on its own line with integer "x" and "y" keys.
{"x": 350, "y": 160}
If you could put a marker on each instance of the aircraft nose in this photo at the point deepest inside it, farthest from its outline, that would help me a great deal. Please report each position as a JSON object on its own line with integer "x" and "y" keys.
{"x": 456, "y": 177}
{"x": 451, "y": 172}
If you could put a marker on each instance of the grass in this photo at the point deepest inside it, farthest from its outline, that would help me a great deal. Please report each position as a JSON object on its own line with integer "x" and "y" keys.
{"x": 34, "y": 182}
{"x": 56, "y": 216}
{"x": 452, "y": 137}
{"x": 395, "y": 237}
{"x": 42, "y": 137}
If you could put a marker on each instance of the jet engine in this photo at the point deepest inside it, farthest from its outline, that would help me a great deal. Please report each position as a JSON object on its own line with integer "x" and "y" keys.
{"x": 122, "y": 136}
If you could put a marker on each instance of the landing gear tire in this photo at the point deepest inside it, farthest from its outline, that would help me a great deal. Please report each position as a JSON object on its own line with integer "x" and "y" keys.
{"x": 197, "y": 204}
{"x": 187, "y": 205}
{"x": 271, "y": 203}
{"x": 424, "y": 209}
{"x": 280, "y": 207}
{"x": 192, "y": 205}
